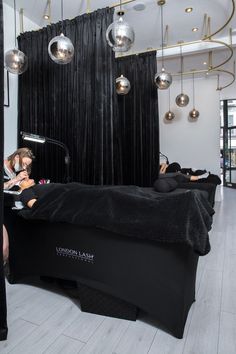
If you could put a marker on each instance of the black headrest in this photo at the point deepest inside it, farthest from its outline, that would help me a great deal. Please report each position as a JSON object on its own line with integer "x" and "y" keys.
{"x": 165, "y": 185}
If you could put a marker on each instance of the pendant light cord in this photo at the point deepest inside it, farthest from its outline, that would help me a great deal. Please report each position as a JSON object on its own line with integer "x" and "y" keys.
{"x": 62, "y": 16}
{"x": 181, "y": 69}
{"x": 15, "y": 19}
{"x": 162, "y": 39}
{"x": 193, "y": 93}
{"x": 120, "y": 5}
{"x": 169, "y": 99}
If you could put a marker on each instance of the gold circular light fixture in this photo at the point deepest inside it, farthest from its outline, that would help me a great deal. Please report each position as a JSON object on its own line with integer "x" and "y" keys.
{"x": 194, "y": 29}
{"x": 189, "y": 9}
{"x": 163, "y": 79}
{"x": 46, "y": 17}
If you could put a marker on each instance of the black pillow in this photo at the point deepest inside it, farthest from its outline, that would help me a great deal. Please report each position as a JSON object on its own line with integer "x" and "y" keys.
{"x": 165, "y": 185}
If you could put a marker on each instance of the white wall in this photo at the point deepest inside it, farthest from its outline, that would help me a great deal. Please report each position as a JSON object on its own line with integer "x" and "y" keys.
{"x": 10, "y": 113}
{"x": 192, "y": 144}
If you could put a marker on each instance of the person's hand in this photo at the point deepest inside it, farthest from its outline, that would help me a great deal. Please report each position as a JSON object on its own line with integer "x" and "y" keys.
{"x": 21, "y": 176}
{"x": 163, "y": 168}
{"x": 26, "y": 183}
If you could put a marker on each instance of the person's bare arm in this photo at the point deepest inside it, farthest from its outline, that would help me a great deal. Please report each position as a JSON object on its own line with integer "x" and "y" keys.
{"x": 5, "y": 244}
{"x": 163, "y": 168}
{"x": 12, "y": 182}
{"x": 31, "y": 203}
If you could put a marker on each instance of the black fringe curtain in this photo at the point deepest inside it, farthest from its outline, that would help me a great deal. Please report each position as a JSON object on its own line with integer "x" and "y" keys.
{"x": 72, "y": 103}
{"x": 111, "y": 139}
{"x": 139, "y": 120}
{"x": 3, "y": 306}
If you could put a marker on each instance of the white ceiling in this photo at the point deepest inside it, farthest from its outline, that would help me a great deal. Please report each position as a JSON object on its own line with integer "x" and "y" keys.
{"x": 146, "y": 23}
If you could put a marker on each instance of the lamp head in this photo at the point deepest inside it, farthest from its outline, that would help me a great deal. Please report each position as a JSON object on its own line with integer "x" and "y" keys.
{"x": 33, "y": 137}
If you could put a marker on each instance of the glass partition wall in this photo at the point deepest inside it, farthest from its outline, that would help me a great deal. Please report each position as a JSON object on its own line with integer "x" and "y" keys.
{"x": 228, "y": 142}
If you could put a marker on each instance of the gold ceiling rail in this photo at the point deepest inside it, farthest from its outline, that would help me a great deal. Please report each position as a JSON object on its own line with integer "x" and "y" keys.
{"x": 21, "y": 15}
{"x": 166, "y": 36}
{"x": 226, "y": 23}
{"x": 231, "y": 37}
{"x": 206, "y": 71}
{"x": 47, "y": 11}
{"x": 88, "y": 7}
{"x": 124, "y": 2}
{"x": 190, "y": 72}
{"x": 200, "y": 41}
{"x": 207, "y": 38}
{"x": 225, "y": 72}
{"x": 227, "y": 46}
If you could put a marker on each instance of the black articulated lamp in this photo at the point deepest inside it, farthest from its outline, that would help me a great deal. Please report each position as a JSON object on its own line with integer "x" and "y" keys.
{"x": 43, "y": 139}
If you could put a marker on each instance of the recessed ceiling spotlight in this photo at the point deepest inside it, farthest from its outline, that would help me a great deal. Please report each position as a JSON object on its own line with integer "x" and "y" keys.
{"x": 46, "y": 17}
{"x": 139, "y": 6}
{"x": 204, "y": 63}
{"x": 194, "y": 29}
{"x": 189, "y": 9}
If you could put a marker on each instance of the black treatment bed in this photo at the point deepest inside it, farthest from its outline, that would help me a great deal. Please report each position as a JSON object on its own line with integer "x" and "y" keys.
{"x": 116, "y": 272}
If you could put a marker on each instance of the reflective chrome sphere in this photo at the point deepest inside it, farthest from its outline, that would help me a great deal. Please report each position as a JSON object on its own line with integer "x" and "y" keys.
{"x": 16, "y": 61}
{"x": 169, "y": 115}
{"x": 163, "y": 80}
{"x": 122, "y": 85}
{"x": 182, "y": 100}
{"x": 61, "y": 49}
{"x": 120, "y": 35}
{"x": 194, "y": 114}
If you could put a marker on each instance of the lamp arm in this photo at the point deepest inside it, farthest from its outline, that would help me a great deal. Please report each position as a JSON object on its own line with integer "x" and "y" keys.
{"x": 67, "y": 157}
{"x": 59, "y": 143}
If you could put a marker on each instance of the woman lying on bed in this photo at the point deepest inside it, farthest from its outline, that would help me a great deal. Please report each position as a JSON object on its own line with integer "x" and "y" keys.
{"x": 30, "y": 195}
{"x": 131, "y": 211}
{"x": 187, "y": 174}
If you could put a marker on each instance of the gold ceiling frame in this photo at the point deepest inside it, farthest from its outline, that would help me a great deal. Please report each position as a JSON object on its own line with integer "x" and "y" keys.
{"x": 206, "y": 38}
{"x": 232, "y": 73}
{"x": 21, "y": 19}
{"x": 47, "y": 11}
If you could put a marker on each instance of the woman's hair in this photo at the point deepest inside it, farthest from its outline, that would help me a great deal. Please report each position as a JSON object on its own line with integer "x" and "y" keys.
{"x": 173, "y": 167}
{"x": 21, "y": 152}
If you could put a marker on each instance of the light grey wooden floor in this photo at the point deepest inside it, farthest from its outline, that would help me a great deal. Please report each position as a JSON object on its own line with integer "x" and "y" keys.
{"x": 44, "y": 321}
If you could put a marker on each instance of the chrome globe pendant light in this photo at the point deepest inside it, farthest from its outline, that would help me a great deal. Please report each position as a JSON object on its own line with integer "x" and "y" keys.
{"x": 194, "y": 114}
{"x": 60, "y": 48}
{"x": 163, "y": 79}
{"x": 120, "y": 35}
{"x": 169, "y": 115}
{"x": 122, "y": 85}
{"x": 16, "y": 61}
{"x": 182, "y": 99}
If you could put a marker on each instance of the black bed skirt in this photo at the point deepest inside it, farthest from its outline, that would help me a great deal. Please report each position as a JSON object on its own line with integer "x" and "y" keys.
{"x": 124, "y": 273}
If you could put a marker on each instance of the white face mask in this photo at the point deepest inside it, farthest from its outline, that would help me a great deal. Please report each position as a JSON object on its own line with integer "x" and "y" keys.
{"x": 17, "y": 167}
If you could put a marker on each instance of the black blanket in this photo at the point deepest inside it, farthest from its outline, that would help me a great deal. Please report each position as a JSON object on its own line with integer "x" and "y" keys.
{"x": 183, "y": 216}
